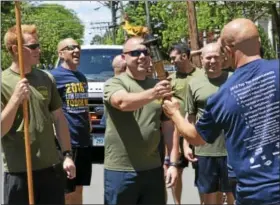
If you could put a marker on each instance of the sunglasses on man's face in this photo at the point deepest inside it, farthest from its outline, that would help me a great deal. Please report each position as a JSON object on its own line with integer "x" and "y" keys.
{"x": 32, "y": 46}
{"x": 137, "y": 53}
{"x": 71, "y": 47}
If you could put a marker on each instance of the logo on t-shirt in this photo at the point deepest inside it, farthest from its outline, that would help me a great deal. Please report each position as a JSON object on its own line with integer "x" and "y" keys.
{"x": 43, "y": 91}
{"x": 76, "y": 97}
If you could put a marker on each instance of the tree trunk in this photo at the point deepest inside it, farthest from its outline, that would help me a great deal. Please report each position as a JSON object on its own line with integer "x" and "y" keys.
{"x": 276, "y": 18}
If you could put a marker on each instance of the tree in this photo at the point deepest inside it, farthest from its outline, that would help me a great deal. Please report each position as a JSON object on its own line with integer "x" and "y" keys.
{"x": 276, "y": 17}
{"x": 269, "y": 52}
{"x": 7, "y": 13}
{"x": 214, "y": 15}
{"x": 54, "y": 23}
{"x": 97, "y": 39}
{"x": 169, "y": 20}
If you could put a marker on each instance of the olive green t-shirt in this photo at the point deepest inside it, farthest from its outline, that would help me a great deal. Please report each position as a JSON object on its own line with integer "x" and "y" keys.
{"x": 179, "y": 83}
{"x": 43, "y": 100}
{"x": 132, "y": 137}
{"x": 199, "y": 90}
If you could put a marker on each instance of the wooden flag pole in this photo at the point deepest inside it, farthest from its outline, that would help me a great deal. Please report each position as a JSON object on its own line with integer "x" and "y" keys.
{"x": 25, "y": 108}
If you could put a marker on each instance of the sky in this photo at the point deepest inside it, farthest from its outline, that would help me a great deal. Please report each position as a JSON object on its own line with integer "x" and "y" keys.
{"x": 87, "y": 11}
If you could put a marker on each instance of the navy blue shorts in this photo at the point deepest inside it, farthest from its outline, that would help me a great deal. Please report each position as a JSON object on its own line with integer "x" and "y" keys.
{"x": 233, "y": 183}
{"x": 232, "y": 180}
{"x": 144, "y": 187}
{"x": 211, "y": 175}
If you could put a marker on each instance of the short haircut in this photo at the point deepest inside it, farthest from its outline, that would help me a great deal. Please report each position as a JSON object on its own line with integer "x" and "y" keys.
{"x": 181, "y": 48}
{"x": 10, "y": 37}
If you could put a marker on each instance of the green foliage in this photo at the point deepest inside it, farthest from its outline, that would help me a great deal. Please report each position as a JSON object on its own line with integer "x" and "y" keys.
{"x": 269, "y": 52}
{"x": 120, "y": 37}
{"x": 214, "y": 15}
{"x": 97, "y": 39}
{"x": 7, "y": 13}
{"x": 170, "y": 22}
{"x": 171, "y": 26}
{"x": 54, "y": 23}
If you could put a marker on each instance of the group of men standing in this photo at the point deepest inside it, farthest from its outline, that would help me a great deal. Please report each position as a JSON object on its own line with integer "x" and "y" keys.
{"x": 213, "y": 118}
{"x": 192, "y": 87}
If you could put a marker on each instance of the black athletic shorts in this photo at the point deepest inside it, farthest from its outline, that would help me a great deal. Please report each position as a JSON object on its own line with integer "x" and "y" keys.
{"x": 83, "y": 163}
{"x": 48, "y": 186}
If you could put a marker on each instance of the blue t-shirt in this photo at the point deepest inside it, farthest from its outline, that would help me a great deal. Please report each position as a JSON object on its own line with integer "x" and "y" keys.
{"x": 73, "y": 89}
{"x": 247, "y": 107}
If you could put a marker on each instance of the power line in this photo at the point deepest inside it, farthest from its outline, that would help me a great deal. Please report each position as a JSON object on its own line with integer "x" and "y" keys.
{"x": 51, "y": 21}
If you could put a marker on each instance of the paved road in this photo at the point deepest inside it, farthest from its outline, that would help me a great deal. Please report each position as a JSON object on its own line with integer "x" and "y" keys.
{"x": 94, "y": 193}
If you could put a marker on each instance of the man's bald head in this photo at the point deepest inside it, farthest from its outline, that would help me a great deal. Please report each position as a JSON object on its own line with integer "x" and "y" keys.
{"x": 211, "y": 47}
{"x": 119, "y": 64}
{"x": 63, "y": 43}
{"x": 240, "y": 38}
{"x": 239, "y": 31}
{"x": 132, "y": 43}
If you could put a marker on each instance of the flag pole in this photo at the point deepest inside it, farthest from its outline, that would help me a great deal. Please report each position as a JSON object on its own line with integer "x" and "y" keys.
{"x": 25, "y": 108}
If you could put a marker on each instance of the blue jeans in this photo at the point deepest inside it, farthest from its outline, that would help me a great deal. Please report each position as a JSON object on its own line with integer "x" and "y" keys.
{"x": 144, "y": 187}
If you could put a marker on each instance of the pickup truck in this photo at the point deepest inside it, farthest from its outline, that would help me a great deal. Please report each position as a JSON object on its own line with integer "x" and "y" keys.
{"x": 96, "y": 65}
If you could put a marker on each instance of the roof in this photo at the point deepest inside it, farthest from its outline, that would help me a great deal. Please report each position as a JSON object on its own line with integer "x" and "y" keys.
{"x": 101, "y": 47}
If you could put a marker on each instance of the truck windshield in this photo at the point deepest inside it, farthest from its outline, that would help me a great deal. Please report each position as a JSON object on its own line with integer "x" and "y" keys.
{"x": 96, "y": 64}
{"x": 97, "y": 61}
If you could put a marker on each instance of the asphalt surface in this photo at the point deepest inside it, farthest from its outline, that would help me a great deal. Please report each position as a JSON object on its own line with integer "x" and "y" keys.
{"x": 94, "y": 194}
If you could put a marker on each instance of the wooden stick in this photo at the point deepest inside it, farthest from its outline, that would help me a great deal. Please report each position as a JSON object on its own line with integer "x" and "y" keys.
{"x": 25, "y": 108}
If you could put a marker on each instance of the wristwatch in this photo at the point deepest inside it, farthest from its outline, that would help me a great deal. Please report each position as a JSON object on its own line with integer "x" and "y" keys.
{"x": 67, "y": 153}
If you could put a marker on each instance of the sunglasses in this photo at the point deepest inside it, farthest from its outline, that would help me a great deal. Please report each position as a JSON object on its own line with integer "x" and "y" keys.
{"x": 137, "y": 53}
{"x": 32, "y": 46}
{"x": 71, "y": 47}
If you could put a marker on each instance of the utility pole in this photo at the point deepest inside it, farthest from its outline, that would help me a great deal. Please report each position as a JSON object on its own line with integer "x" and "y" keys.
{"x": 114, "y": 7}
{"x": 148, "y": 17}
{"x": 193, "y": 31}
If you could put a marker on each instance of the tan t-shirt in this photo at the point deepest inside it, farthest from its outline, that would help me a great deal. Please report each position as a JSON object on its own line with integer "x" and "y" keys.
{"x": 132, "y": 138}
{"x": 199, "y": 90}
{"x": 179, "y": 83}
{"x": 44, "y": 99}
